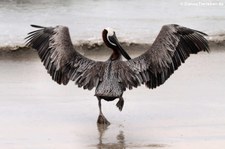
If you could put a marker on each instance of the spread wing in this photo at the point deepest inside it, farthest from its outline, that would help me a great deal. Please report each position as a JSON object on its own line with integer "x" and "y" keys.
{"x": 171, "y": 48}
{"x": 61, "y": 60}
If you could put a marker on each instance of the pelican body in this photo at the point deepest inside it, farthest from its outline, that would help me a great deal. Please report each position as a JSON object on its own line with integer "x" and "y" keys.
{"x": 110, "y": 78}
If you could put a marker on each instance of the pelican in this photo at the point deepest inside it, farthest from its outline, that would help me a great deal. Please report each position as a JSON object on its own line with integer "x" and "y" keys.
{"x": 112, "y": 77}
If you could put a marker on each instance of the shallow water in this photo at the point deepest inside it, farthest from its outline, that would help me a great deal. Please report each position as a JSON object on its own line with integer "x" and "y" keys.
{"x": 186, "y": 112}
{"x": 133, "y": 20}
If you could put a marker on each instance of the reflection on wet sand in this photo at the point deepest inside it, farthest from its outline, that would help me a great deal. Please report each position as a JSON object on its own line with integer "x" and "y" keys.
{"x": 120, "y": 144}
{"x": 121, "y": 141}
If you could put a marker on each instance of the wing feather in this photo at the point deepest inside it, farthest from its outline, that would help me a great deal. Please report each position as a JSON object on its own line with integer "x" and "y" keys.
{"x": 61, "y": 60}
{"x": 172, "y": 47}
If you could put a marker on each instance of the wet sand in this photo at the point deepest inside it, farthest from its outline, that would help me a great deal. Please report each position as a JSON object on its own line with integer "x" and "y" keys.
{"x": 186, "y": 112}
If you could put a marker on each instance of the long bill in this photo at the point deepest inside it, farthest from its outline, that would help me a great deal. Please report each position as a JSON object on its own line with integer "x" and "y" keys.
{"x": 121, "y": 50}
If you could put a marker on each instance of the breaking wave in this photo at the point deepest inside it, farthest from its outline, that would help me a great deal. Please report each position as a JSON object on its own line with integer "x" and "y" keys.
{"x": 216, "y": 42}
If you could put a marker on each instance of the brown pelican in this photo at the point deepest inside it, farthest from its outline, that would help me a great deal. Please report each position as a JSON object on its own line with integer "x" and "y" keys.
{"x": 170, "y": 49}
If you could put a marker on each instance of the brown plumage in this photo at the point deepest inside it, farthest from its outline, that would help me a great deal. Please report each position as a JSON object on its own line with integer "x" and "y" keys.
{"x": 172, "y": 47}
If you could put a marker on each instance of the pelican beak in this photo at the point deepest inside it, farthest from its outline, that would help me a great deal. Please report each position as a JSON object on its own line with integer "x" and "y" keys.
{"x": 116, "y": 42}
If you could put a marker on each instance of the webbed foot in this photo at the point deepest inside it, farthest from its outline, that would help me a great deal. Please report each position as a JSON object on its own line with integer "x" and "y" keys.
{"x": 102, "y": 120}
{"x": 120, "y": 103}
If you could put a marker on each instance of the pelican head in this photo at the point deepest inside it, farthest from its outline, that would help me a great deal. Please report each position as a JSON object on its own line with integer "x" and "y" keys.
{"x": 111, "y": 41}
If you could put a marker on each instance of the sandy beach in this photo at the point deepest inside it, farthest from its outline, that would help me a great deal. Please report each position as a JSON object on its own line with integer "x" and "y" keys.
{"x": 186, "y": 112}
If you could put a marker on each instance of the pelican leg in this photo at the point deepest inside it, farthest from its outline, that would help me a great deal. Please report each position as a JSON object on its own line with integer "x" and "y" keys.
{"x": 101, "y": 117}
{"x": 120, "y": 103}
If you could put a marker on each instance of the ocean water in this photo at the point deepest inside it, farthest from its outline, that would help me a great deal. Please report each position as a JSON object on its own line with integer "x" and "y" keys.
{"x": 133, "y": 20}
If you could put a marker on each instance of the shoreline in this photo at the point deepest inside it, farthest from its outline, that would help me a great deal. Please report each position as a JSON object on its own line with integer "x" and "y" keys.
{"x": 93, "y": 47}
